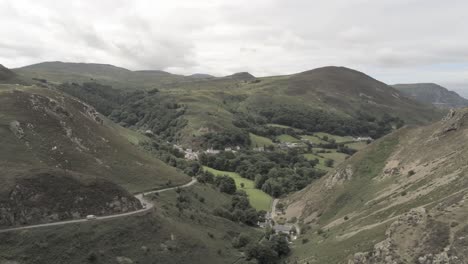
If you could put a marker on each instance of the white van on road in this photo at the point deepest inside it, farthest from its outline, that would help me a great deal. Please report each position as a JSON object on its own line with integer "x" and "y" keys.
{"x": 91, "y": 217}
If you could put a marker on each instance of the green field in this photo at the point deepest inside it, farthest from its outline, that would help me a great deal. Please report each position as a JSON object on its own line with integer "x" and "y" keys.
{"x": 357, "y": 145}
{"x": 258, "y": 199}
{"x": 313, "y": 139}
{"x": 338, "y": 139}
{"x": 287, "y": 138}
{"x": 259, "y": 141}
{"x": 321, "y": 164}
{"x": 336, "y": 156}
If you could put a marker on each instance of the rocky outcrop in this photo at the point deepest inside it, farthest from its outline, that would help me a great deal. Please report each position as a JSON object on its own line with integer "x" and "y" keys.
{"x": 49, "y": 197}
{"x": 340, "y": 176}
{"x": 415, "y": 237}
{"x": 455, "y": 120}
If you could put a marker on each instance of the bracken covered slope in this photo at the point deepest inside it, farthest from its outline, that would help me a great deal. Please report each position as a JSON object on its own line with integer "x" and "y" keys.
{"x": 43, "y": 128}
{"x": 403, "y": 199}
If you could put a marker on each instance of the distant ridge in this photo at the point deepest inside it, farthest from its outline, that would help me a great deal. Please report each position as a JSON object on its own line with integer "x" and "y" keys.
{"x": 245, "y": 76}
{"x": 434, "y": 94}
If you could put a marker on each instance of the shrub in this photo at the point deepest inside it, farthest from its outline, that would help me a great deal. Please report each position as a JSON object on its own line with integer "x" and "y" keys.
{"x": 411, "y": 173}
{"x": 305, "y": 240}
{"x": 329, "y": 162}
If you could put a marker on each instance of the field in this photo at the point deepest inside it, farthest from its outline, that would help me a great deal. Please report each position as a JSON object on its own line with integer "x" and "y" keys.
{"x": 338, "y": 139}
{"x": 258, "y": 199}
{"x": 258, "y": 141}
{"x": 287, "y": 138}
{"x": 357, "y": 145}
{"x": 313, "y": 139}
{"x": 336, "y": 156}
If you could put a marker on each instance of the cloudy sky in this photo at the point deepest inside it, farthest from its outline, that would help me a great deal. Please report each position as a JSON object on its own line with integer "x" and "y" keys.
{"x": 395, "y": 41}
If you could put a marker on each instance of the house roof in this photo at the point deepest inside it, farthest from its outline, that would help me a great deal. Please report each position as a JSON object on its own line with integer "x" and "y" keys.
{"x": 282, "y": 228}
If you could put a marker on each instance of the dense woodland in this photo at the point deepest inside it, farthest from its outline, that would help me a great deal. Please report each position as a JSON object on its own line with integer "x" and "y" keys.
{"x": 275, "y": 173}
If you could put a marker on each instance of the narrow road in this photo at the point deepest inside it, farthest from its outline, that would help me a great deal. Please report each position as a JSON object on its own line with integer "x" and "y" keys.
{"x": 273, "y": 208}
{"x": 145, "y": 203}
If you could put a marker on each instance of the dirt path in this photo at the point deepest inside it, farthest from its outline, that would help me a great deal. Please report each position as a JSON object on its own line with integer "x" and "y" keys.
{"x": 146, "y": 207}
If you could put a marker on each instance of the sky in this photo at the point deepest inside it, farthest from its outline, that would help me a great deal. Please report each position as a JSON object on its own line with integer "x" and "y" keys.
{"x": 395, "y": 41}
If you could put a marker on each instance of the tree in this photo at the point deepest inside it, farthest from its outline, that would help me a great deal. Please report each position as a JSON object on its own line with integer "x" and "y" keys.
{"x": 226, "y": 184}
{"x": 263, "y": 253}
{"x": 242, "y": 185}
{"x": 280, "y": 245}
{"x": 241, "y": 240}
{"x": 329, "y": 162}
{"x": 280, "y": 207}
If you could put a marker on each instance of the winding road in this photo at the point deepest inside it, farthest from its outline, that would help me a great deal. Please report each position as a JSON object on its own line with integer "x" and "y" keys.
{"x": 146, "y": 207}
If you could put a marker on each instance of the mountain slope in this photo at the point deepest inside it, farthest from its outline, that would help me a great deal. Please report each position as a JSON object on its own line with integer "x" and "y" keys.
{"x": 431, "y": 93}
{"x": 413, "y": 179}
{"x": 43, "y": 128}
{"x": 331, "y": 99}
{"x": 5, "y": 73}
{"x": 118, "y": 77}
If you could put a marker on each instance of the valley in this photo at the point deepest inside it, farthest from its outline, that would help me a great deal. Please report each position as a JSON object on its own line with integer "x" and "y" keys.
{"x": 314, "y": 167}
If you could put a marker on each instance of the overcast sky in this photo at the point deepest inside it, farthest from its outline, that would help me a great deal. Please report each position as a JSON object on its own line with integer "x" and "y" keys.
{"x": 396, "y": 41}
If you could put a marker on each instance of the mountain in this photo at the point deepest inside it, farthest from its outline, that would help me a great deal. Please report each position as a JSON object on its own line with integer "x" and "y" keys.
{"x": 5, "y": 73}
{"x": 209, "y": 112}
{"x": 52, "y": 137}
{"x": 63, "y": 160}
{"x": 118, "y": 77}
{"x": 201, "y": 76}
{"x": 244, "y": 76}
{"x": 431, "y": 93}
{"x": 400, "y": 200}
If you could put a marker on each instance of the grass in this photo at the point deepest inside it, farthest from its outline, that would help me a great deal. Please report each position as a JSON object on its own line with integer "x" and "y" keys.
{"x": 193, "y": 235}
{"x": 258, "y": 199}
{"x": 336, "y": 156}
{"x": 103, "y": 150}
{"x": 357, "y": 145}
{"x": 259, "y": 141}
{"x": 313, "y": 139}
{"x": 338, "y": 139}
{"x": 287, "y": 138}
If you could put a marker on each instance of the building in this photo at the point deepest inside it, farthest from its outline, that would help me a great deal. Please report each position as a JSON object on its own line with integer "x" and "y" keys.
{"x": 363, "y": 139}
{"x": 259, "y": 149}
{"x": 212, "y": 151}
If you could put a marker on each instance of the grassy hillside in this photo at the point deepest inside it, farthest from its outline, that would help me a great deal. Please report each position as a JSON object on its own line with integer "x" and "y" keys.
{"x": 42, "y": 128}
{"x": 335, "y": 100}
{"x": 399, "y": 183}
{"x": 166, "y": 234}
{"x": 431, "y": 93}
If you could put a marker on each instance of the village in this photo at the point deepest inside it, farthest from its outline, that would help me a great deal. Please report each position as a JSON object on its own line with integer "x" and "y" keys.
{"x": 190, "y": 154}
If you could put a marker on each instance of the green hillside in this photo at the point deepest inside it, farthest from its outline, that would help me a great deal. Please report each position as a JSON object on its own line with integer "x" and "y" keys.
{"x": 42, "y": 128}
{"x": 401, "y": 195}
{"x": 221, "y": 112}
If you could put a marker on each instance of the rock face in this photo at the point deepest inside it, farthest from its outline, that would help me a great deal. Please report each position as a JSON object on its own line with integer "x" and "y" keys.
{"x": 340, "y": 176}
{"x": 418, "y": 237}
{"x": 455, "y": 120}
{"x": 49, "y": 197}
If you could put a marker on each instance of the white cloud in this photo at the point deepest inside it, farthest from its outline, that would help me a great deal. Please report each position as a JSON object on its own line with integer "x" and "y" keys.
{"x": 393, "y": 40}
